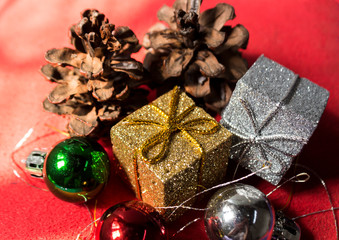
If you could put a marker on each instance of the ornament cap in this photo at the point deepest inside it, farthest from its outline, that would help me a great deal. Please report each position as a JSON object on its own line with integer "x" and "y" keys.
{"x": 285, "y": 228}
{"x": 35, "y": 163}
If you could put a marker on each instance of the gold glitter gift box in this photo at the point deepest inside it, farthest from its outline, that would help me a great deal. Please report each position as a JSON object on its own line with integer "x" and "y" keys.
{"x": 170, "y": 148}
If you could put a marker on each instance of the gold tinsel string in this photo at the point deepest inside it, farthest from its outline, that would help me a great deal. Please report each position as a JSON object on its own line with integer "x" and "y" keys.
{"x": 290, "y": 195}
{"x": 298, "y": 178}
{"x": 95, "y": 220}
{"x": 23, "y": 142}
{"x": 57, "y": 130}
{"x": 328, "y": 196}
{"x": 305, "y": 180}
{"x": 182, "y": 205}
{"x": 291, "y": 192}
{"x": 172, "y": 123}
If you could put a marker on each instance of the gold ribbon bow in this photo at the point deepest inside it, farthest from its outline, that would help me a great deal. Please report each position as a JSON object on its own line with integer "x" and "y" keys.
{"x": 173, "y": 123}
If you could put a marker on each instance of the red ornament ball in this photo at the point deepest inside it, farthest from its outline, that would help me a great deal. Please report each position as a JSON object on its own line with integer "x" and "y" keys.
{"x": 131, "y": 220}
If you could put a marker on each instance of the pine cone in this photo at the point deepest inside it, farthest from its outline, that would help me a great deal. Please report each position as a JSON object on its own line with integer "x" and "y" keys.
{"x": 96, "y": 81}
{"x": 197, "y": 51}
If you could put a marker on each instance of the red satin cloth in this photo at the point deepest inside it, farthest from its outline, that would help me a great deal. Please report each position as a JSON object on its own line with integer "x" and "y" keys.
{"x": 301, "y": 35}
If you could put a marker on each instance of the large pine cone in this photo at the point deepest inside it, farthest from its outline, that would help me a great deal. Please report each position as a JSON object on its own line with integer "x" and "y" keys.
{"x": 197, "y": 51}
{"x": 96, "y": 81}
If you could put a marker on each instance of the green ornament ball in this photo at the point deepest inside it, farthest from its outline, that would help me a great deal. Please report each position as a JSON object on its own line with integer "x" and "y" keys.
{"x": 76, "y": 169}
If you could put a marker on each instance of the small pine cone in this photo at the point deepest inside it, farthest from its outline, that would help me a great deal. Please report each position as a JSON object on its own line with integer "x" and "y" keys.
{"x": 197, "y": 51}
{"x": 97, "y": 81}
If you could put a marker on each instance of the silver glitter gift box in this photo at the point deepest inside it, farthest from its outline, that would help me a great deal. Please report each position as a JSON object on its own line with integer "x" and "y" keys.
{"x": 272, "y": 114}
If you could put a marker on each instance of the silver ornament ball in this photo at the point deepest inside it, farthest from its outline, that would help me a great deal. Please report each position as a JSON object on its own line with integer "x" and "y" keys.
{"x": 239, "y": 212}
{"x": 285, "y": 228}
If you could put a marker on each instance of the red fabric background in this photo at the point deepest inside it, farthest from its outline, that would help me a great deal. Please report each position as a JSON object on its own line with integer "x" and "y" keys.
{"x": 302, "y": 35}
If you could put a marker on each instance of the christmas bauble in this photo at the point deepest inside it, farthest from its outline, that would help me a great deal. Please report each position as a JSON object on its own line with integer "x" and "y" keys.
{"x": 285, "y": 228}
{"x": 239, "y": 212}
{"x": 131, "y": 220}
{"x": 76, "y": 169}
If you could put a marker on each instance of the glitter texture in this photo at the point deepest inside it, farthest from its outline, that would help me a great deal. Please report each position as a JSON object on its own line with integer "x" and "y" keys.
{"x": 175, "y": 178}
{"x": 272, "y": 114}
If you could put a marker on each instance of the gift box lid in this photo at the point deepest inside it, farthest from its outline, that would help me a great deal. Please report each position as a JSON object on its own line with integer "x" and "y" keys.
{"x": 272, "y": 79}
